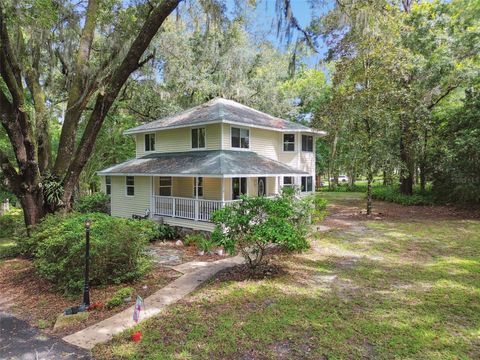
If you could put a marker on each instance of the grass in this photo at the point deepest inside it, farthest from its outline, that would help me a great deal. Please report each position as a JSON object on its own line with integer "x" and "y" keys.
{"x": 7, "y": 247}
{"x": 403, "y": 290}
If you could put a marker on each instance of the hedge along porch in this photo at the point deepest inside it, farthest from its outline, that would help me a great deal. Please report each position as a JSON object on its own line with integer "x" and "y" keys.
{"x": 165, "y": 184}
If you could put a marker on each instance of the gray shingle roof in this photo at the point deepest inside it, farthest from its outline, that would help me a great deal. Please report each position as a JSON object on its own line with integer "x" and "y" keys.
{"x": 202, "y": 163}
{"x": 221, "y": 110}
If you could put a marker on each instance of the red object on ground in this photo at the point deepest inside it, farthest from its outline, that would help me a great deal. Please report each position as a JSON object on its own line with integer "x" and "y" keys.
{"x": 137, "y": 336}
{"x": 95, "y": 306}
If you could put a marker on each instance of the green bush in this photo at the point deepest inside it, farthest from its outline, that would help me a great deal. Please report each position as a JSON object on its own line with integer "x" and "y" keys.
{"x": 12, "y": 224}
{"x": 253, "y": 223}
{"x": 319, "y": 207}
{"x": 166, "y": 232}
{"x": 117, "y": 298}
{"x": 116, "y": 250}
{"x": 203, "y": 243}
{"x": 97, "y": 202}
{"x": 392, "y": 194}
{"x": 192, "y": 239}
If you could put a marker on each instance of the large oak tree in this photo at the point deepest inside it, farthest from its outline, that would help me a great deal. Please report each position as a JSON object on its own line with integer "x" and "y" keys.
{"x": 37, "y": 38}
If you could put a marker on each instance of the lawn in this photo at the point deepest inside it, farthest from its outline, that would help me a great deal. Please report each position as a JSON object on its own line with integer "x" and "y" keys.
{"x": 406, "y": 289}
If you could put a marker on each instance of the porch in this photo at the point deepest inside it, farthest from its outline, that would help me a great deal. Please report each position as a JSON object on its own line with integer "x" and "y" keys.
{"x": 186, "y": 208}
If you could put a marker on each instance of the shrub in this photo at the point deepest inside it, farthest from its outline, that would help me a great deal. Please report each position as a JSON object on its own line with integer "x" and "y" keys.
{"x": 252, "y": 223}
{"x": 203, "y": 243}
{"x": 116, "y": 250}
{"x": 97, "y": 202}
{"x": 392, "y": 194}
{"x": 166, "y": 232}
{"x": 12, "y": 224}
{"x": 192, "y": 239}
{"x": 117, "y": 298}
{"x": 319, "y": 207}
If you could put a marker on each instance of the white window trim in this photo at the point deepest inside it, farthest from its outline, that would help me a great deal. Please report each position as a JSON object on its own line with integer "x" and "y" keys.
{"x": 301, "y": 178}
{"x": 294, "y": 143}
{"x": 145, "y": 144}
{"x": 301, "y": 143}
{"x": 191, "y": 138}
{"x": 249, "y": 138}
{"x": 240, "y": 185}
{"x": 107, "y": 185}
{"x": 195, "y": 186}
{"x": 165, "y": 186}
{"x": 291, "y": 177}
{"x": 127, "y": 186}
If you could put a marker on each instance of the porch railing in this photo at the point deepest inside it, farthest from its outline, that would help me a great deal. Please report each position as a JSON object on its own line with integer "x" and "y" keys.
{"x": 186, "y": 208}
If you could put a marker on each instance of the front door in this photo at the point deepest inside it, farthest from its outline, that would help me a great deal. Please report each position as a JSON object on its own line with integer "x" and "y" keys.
{"x": 262, "y": 186}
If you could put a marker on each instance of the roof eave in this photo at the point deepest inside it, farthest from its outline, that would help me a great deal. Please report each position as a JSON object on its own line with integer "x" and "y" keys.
{"x": 135, "y": 131}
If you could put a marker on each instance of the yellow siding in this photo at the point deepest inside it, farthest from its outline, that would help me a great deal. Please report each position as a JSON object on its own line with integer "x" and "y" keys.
{"x": 272, "y": 186}
{"x": 182, "y": 187}
{"x": 177, "y": 140}
{"x": 212, "y": 188}
{"x": 265, "y": 142}
{"x": 228, "y": 189}
{"x": 126, "y": 206}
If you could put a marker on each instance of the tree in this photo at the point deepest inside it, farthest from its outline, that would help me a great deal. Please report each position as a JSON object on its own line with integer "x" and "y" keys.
{"x": 25, "y": 30}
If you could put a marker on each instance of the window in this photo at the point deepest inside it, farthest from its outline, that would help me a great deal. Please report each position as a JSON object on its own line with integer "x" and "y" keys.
{"x": 165, "y": 188}
{"x": 108, "y": 185}
{"x": 239, "y": 187}
{"x": 288, "y": 181}
{"x": 307, "y": 184}
{"x": 288, "y": 142}
{"x": 307, "y": 143}
{"x": 240, "y": 138}
{"x": 198, "y": 138}
{"x": 198, "y": 186}
{"x": 149, "y": 142}
{"x": 130, "y": 182}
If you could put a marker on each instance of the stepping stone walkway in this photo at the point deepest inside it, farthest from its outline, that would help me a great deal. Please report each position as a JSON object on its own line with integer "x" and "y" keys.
{"x": 164, "y": 257}
{"x": 194, "y": 274}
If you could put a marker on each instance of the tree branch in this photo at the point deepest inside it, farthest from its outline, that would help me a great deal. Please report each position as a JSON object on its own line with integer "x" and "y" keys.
{"x": 441, "y": 97}
{"x": 77, "y": 95}
{"x": 105, "y": 100}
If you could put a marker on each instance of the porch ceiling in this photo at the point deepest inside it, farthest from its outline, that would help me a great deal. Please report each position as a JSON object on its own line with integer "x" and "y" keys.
{"x": 214, "y": 163}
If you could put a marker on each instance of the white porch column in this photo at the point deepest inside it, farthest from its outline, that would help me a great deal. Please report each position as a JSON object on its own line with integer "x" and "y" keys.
{"x": 196, "y": 197}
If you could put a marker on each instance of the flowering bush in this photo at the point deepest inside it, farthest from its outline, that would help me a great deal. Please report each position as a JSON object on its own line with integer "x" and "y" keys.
{"x": 253, "y": 223}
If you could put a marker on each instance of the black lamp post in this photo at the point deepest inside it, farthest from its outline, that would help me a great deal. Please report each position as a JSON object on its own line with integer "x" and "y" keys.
{"x": 86, "y": 289}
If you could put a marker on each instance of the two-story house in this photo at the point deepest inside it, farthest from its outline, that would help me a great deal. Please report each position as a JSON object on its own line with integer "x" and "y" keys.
{"x": 192, "y": 163}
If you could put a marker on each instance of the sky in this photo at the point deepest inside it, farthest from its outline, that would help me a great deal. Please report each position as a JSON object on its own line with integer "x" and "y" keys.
{"x": 264, "y": 21}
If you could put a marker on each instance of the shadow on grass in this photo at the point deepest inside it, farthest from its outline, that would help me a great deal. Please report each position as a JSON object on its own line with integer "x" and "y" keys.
{"x": 331, "y": 306}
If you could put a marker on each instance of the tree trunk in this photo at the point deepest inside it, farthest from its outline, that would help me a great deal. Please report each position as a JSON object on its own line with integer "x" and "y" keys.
{"x": 33, "y": 207}
{"x": 406, "y": 156}
{"x": 369, "y": 192}
{"x": 423, "y": 163}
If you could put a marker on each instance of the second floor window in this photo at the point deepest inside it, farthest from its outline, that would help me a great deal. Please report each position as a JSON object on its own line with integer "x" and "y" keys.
{"x": 149, "y": 142}
{"x": 288, "y": 142}
{"x": 108, "y": 185}
{"x": 198, "y": 138}
{"x": 307, "y": 143}
{"x": 130, "y": 184}
{"x": 240, "y": 138}
{"x": 165, "y": 186}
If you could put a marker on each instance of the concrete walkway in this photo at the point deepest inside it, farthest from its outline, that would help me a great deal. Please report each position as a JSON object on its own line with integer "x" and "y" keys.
{"x": 194, "y": 273}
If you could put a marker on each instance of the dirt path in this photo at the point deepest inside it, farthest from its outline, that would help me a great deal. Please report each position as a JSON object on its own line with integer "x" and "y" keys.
{"x": 348, "y": 209}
